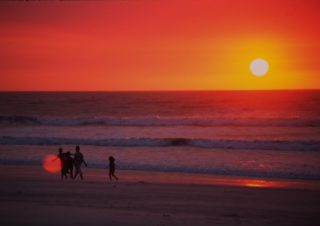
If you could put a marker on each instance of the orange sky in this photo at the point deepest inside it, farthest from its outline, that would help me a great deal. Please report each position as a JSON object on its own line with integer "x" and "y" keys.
{"x": 159, "y": 45}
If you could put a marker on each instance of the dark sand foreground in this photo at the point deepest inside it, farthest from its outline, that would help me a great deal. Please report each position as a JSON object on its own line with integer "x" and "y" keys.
{"x": 30, "y": 196}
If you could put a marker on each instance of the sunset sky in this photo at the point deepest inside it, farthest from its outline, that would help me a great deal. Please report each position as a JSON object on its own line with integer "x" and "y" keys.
{"x": 159, "y": 45}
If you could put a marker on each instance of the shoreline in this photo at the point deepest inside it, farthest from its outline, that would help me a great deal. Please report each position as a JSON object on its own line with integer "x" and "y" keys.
{"x": 260, "y": 165}
{"x": 174, "y": 178}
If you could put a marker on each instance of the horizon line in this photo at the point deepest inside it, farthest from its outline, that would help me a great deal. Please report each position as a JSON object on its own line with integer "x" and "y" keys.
{"x": 169, "y": 90}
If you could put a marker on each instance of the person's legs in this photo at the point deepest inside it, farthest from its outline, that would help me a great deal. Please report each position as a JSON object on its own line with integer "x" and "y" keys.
{"x": 64, "y": 172}
{"x": 77, "y": 171}
{"x": 114, "y": 176}
{"x": 80, "y": 172}
{"x": 71, "y": 171}
{"x": 110, "y": 176}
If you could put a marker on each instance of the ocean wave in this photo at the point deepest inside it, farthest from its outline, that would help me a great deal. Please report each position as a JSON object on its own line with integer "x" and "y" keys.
{"x": 159, "y": 121}
{"x": 19, "y": 120}
{"x": 297, "y": 145}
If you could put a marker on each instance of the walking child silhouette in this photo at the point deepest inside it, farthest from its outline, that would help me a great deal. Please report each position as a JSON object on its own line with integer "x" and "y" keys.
{"x": 112, "y": 168}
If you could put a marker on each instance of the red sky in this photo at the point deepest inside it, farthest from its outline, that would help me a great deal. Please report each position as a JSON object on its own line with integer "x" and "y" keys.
{"x": 159, "y": 45}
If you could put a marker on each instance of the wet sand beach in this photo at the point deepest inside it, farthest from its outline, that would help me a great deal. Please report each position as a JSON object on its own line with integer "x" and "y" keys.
{"x": 31, "y": 196}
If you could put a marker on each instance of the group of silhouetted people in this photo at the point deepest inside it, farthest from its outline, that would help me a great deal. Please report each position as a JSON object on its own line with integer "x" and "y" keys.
{"x": 68, "y": 163}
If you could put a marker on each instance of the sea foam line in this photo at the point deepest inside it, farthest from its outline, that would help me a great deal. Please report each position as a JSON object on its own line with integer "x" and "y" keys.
{"x": 296, "y": 145}
{"x": 158, "y": 121}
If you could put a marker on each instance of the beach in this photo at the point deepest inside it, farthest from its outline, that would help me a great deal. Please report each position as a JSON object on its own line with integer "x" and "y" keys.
{"x": 31, "y": 196}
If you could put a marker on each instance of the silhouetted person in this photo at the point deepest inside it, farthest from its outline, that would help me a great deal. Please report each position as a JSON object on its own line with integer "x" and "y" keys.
{"x": 78, "y": 160}
{"x": 112, "y": 168}
{"x": 63, "y": 160}
{"x": 69, "y": 164}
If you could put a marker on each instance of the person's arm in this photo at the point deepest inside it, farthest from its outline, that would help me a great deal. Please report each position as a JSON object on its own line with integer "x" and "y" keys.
{"x": 53, "y": 160}
{"x": 84, "y": 162}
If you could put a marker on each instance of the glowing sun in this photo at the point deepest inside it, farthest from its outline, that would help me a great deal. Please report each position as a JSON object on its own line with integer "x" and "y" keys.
{"x": 259, "y": 67}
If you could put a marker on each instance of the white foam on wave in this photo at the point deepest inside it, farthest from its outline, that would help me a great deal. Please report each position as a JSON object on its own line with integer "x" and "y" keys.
{"x": 290, "y": 145}
{"x": 159, "y": 121}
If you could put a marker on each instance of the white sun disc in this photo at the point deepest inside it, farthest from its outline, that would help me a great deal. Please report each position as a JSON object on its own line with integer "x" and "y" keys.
{"x": 259, "y": 67}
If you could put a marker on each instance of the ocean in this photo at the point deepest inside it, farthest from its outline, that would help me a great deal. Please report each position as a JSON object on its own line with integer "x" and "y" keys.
{"x": 267, "y": 134}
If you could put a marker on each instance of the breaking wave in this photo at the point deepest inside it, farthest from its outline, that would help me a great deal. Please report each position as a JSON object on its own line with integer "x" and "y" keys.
{"x": 158, "y": 121}
{"x": 311, "y": 145}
